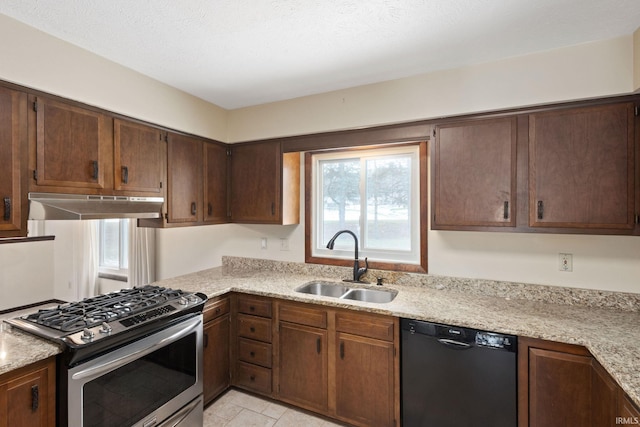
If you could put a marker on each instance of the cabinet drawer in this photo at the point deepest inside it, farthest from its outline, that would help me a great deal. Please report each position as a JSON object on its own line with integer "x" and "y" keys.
{"x": 254, "y": 377}
{"x": 308, "y": 316}
{"x": 254, "y": 305}
{"x": 256, "y": 328}
{"x": 380, "y": 328}
{"x": 255, "y": 352}
{"x": 215, "y": 309}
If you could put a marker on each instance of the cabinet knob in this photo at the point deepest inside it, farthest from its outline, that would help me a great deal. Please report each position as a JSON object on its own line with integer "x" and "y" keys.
{"x": 252, "y": 378}
{"x": 252, "y": 354}
{"x": 252, "y": 329}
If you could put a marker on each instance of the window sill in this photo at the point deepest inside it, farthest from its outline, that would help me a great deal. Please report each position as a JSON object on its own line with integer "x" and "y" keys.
{"x": 110, "y": 276}
{"x": 373, "y": 265}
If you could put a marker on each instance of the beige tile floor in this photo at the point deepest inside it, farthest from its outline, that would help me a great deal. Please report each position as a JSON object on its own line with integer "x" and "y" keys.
{"x": 239, "y": 409}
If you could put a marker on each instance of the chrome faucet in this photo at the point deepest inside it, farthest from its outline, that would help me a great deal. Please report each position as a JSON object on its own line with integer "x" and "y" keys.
{"x": 357, "y": 271}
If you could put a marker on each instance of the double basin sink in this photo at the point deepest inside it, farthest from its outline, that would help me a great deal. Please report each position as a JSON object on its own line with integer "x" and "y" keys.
{"x": 338, "y": 290}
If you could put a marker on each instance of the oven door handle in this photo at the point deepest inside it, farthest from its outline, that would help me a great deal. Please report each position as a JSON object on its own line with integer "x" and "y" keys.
{"x": 120, "y": 361}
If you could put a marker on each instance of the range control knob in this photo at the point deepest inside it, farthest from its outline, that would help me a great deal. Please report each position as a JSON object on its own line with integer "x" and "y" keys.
{"x": 105, "y": 328}
{"x": 182, "y": 301}
{"x": 87, "y": 335}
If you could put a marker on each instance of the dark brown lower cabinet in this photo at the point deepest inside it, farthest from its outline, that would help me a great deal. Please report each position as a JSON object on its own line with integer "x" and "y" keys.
{"x": 303, "y": 366}
{"x": 364, "y": 380}
{"x": 563, "y": 385}
{"x": 216, "y": 335}
{"x": 27, "y": 395}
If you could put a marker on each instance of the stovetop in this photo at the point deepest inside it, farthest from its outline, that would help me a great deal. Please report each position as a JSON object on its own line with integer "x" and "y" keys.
{"x": 102, "y": 317}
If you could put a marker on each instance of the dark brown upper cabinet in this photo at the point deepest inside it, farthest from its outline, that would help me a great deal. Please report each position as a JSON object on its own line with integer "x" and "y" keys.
{"x": 184, "y": 176}
{"x": 71, "y": 147}
{"x": 474, "y": 174}
{"x": 215, "y": 174}
{"x": 581, "y": 168}
{"x": 265, "y": 184}
{"x": 139, "y": 158}
{"x": 13, "y": 163}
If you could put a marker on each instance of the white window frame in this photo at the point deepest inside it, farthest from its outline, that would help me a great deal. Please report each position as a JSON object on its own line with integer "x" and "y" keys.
{"x": 109, "y": 272}
{"x": 344, "y": 248}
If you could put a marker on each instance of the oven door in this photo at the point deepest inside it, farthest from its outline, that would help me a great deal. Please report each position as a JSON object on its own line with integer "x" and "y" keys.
{"x": 143, "y": 383}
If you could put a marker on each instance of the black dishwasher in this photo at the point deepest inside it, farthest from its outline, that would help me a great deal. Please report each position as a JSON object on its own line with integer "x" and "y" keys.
{"x": 454, "y": 377}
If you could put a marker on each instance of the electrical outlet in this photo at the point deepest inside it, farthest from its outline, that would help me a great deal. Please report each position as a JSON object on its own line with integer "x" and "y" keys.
{"x": 284, "y": 244}
{"x": 565, "y": 262}
{"x": 263, "y": 243}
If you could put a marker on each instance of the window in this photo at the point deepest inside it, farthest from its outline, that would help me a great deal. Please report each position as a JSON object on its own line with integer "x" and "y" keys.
{"x": 113, "y": 249}
{"x": 374, "y": 193}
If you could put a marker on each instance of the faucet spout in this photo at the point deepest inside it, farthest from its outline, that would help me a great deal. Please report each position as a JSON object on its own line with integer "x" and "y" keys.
{"x": 357, "y": 271}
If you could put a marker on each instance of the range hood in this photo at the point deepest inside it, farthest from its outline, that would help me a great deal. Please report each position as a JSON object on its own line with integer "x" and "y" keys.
{"x": 78, "y": 206}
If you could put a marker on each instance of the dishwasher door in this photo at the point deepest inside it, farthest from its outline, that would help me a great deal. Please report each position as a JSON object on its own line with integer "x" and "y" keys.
{"x": 454, "y": 377}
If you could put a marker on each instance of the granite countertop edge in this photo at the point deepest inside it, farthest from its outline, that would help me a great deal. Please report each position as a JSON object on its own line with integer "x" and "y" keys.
{"x": 611, "y": 335}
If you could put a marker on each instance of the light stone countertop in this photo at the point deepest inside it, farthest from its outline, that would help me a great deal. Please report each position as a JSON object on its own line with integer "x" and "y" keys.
{"x": 611, "y": 334}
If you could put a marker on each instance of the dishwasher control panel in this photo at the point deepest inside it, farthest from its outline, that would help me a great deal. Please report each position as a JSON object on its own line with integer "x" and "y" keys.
{"x": 489, "y": 339}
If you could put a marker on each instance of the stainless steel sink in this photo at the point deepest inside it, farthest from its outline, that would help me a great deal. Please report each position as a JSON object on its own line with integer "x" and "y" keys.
{"x": 327, "y": 289}
{"x": 370, "y": 295}
{"x": 336, "y": 290}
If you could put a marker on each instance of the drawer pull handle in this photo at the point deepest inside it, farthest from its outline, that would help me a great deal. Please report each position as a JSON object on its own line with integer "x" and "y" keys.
{"x": 540, "y": 209}
{"x": 252, "y": 308}
{"x": 125, "y": 175}
{"x": 7, "y": 208}
{"x": 506, "y": 210}
{"x": 318, "y": 345}
{"x": 35, "y": 398}
{"x": 194, "y": 210}
{"x": 94, "y": 165}
{"x": 210, "y": 208}
{"x": 342, "y": 350}
{"x": 217, "y": 310}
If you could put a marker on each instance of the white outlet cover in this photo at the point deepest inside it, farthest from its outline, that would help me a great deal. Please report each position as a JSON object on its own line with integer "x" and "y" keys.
{"x": 565, "y": 262}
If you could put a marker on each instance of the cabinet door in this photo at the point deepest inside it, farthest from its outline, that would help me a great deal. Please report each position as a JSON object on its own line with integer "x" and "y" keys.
{"x": 474, "y": 174}
{"x": 581, "y": 168}
{"x": 139, "y": 158}
{"x": 13, "y": 125}
{"x": 73, "y": 146}
{"x": 216, "y": 357}
{"x": 215, "y": 183}
{"x": 184, "y": 176}
{"x": 28, "y": 398}
{"x": 256, "y": 181}
{"x": 303, "y": 362}
{"x": 364, "y": 380}
{"x": 559, "y": 389}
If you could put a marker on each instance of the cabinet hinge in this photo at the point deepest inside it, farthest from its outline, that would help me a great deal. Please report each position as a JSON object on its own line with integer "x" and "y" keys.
{"x": 35, "y": 106}
{"x": 228, "y": 151}
{"x": 636, "y": 110}
{"x": 35, "y": 174}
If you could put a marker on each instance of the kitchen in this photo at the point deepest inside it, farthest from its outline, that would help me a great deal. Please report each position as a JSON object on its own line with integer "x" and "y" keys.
{"x": 605, "y": 68}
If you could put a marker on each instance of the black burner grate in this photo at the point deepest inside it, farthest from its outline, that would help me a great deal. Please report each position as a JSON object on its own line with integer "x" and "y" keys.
{"x": 103, "y": 308}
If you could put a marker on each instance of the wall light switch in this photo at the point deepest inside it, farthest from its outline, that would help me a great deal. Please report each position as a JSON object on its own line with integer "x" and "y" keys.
{"x": 565, "y": 262}
{"x": 284, "y": 244}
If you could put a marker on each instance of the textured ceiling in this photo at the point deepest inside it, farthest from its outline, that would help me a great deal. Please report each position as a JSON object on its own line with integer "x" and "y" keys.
{"x": 237, "y": 53}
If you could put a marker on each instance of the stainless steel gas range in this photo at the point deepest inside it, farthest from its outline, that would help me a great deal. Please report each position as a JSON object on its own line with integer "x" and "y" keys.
{"x": 130, "y": 358}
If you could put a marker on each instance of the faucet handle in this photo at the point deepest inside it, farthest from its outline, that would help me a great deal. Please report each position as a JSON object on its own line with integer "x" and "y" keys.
{"x": 361, "y": 271}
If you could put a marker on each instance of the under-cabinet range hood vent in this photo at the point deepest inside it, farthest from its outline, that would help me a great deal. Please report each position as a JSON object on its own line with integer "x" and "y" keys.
{"x": 78, "y": 206}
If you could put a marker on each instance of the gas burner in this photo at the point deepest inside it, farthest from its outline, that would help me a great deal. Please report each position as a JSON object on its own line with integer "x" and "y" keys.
{"x": 97, "y": 310}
